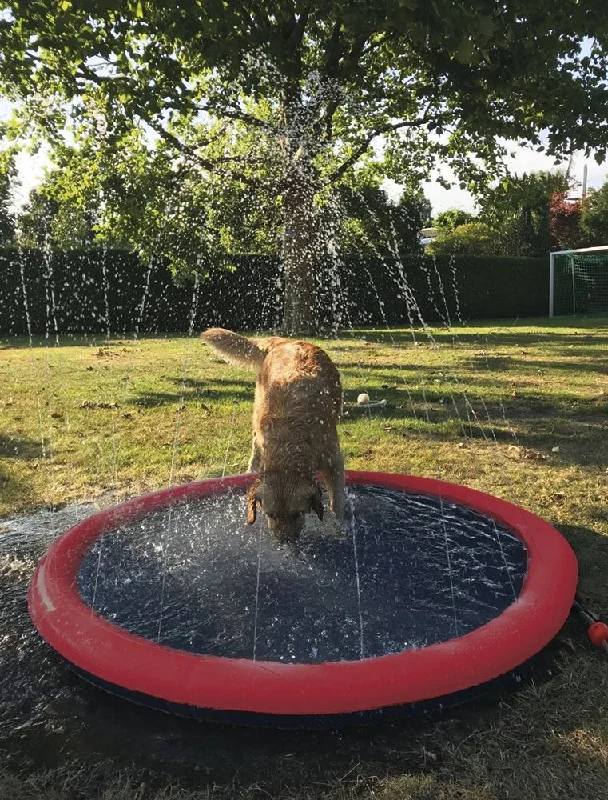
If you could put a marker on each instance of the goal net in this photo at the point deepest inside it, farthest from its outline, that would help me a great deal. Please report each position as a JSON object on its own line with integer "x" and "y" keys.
{"x": 578, "y": 281}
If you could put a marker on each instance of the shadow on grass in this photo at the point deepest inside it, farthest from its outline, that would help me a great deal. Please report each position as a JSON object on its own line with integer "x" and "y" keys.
{"x": 576, "y": 426}
{"x": 18, "y": 447}
{"x": 94, "y": 340}
{"x": 13, "y": 484}
{"x": 12, "y": 489}
{"x": 591, "y": 549}
{"x": 214, "y": 390}
{"x": 588, "y": 361}
{"x": 494, "y": 334}
{"x": 444, "y": 411}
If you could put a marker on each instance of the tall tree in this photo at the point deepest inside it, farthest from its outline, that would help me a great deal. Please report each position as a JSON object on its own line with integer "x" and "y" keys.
{"x": 323, "y": 79}
{"x": 131, "y": 190}
{"x": 565, "y": 222}
{"x": 62, "y": 212}
{"x": 135, "y": 193}
{"x": 374, "y": 225}
{"x": 518, "y": 210}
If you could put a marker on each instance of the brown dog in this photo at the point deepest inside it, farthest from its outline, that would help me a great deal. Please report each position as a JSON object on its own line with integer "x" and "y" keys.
{"x": 298, "y": 399}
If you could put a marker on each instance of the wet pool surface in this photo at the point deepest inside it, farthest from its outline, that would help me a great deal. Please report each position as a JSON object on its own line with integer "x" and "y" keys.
{"x": 409, "y": 571}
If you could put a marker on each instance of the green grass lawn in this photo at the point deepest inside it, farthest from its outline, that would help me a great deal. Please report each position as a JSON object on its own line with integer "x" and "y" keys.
{"x": 517, "y": 409}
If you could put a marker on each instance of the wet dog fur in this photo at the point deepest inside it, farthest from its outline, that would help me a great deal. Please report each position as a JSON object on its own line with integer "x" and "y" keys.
{"x": 298, "y": 399}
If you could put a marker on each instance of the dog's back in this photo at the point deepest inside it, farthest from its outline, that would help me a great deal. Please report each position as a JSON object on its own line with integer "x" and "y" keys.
{"x": 292, "y": 375}
{"x": 298, "y": 380}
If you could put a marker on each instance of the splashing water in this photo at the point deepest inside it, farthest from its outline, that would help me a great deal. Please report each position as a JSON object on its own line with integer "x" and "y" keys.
{"x": 49, "y": 288}
{"x": 410, "y": 570}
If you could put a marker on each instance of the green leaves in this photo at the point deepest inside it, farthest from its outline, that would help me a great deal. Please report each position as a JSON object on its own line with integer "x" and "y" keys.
{"x": 594, "y": 217}
{"x": 473, "y": 239}
{"x": 465, "y": 50}
{"x": 361, "y": 85}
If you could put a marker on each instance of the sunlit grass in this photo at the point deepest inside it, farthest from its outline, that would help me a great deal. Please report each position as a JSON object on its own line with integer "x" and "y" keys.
{"x": 517, "y": 410}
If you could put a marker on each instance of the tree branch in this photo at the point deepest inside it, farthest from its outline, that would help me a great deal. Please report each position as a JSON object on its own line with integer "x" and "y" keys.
{"x": 87, "y": 73}
{"x": 333, "y": 52}
{"x": 333, "y": 72}
{"x": 236, "y": 113}
{"x": 375, "y": 43}
{"x": 207, "y": 163}
{"x": 364, "y": 145}
{"x": 261, "y": 19}
{"x": 356, "y": 51}
{"x": 247, "y": 13}
{"x": 103, "y": 80}
{"x": 294, "y": 39}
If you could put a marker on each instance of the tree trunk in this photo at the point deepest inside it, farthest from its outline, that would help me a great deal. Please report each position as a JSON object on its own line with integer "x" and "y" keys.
{"x": 300, "y": 252}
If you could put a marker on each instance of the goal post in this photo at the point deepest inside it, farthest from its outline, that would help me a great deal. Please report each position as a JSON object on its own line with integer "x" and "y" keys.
{"x": 578, "y": 281}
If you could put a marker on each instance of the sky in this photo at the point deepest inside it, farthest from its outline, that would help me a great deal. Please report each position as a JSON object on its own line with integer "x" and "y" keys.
{"x": 525, "y": 159}
{"x": 31, "y": 171}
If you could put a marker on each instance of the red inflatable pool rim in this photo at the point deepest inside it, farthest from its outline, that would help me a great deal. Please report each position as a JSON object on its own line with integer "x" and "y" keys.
{"x": 117, "y": 658}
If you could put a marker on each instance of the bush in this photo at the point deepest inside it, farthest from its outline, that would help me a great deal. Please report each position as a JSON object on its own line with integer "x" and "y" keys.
{"x": 100, "y": 291}
{"x": 472, "y": 239}
{"x": 452, "y": 218}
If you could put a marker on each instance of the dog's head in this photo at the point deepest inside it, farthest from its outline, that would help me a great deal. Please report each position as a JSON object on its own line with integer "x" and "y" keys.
{"x": 285, "y": 500}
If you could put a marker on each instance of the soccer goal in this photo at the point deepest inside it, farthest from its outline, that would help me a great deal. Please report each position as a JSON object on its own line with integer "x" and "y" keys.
{"x": 578, "y": 281}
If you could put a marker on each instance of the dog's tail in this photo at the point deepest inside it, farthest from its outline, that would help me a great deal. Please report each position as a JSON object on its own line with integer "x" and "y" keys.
{"x": 237, "y": 349}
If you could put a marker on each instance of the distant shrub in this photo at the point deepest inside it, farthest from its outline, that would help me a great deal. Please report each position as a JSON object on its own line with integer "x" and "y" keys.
{"x": 452, "y": 218}
{"x": 471, "y": 239}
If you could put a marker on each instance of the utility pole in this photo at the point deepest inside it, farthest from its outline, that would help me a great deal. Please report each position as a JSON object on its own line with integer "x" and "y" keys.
{"x": 585, "y": 181}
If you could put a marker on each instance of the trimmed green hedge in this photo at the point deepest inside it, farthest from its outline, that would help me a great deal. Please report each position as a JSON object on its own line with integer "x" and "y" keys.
{"x": 448, "y": 289}
{"x": 100, "y": 290}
